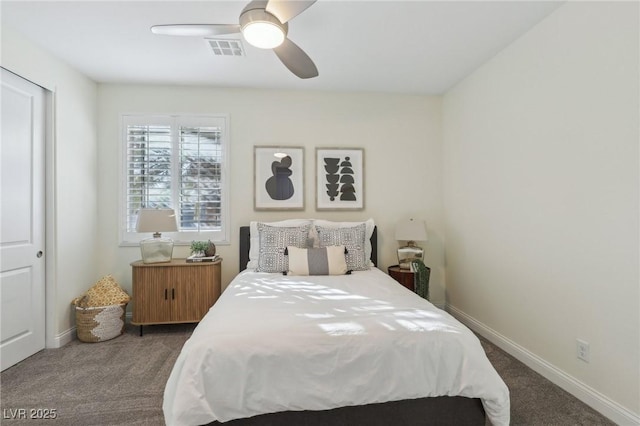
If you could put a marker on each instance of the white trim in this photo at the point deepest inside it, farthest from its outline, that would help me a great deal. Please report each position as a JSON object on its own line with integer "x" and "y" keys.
{"x": 63, "y": 338}
{"x": 50, "y": 244}
{"x": 583, "y": 392}
{"x": 439, "y": 305}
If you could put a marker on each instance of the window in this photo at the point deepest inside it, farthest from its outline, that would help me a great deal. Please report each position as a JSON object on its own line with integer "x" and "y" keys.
{"x": 177, "y": 162}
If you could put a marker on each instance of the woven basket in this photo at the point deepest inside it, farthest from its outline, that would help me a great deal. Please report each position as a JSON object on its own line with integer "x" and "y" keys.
{"x": 100, "y": 323}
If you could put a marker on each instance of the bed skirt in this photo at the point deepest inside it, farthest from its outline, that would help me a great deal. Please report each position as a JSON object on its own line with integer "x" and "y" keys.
{"x": 442, "y": 410}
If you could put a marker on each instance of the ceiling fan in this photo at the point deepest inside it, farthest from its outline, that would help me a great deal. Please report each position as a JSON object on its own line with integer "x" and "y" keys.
{"x": 264, "y": 24}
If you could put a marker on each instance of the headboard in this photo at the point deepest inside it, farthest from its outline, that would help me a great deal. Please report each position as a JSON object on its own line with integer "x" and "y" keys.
{"x": 245, "y": 242}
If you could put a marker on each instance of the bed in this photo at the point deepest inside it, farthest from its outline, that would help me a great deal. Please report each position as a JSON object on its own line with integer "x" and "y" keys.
{"x": 323, "y": 350}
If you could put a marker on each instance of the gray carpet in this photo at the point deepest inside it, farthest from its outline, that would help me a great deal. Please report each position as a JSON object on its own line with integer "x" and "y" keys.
{"x": 121, "y": 381}
{"x": 534, "y": 399}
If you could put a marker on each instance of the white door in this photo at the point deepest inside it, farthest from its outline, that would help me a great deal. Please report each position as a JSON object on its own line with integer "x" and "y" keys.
{"x": 22, "y": 329}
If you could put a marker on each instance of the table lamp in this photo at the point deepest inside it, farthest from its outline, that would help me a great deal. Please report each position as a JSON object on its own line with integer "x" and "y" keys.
{"x": 410, "y": 231}
{"x": 157, "y": 249}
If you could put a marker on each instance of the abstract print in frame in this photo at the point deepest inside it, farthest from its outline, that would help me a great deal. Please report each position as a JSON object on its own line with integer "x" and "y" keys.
{"x": 278, "y": 178}
{"x": 339, "y": 178}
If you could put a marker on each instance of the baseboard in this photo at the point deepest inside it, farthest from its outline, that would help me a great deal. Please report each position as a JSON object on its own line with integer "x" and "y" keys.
{"x": 62, "y": 339}
{"x": 584, "y": 393}
{"x": 439, "y": 305}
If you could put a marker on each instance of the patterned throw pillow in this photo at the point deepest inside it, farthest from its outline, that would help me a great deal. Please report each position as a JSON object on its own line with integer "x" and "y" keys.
{"x": 317, "y": 261}
{"x": 105, "y": 292}
{"x": 273, "y": 243}
{"x": 370, "y": 224}
{"x": 254, "y": 239}
{"x": 352, "y": 238}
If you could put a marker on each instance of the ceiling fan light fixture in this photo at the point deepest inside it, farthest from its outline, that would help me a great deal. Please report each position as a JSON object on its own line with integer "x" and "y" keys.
{"x": 262, "y": 29}
{"x": 263, "y": 35}
{"x": 263, "y": 24}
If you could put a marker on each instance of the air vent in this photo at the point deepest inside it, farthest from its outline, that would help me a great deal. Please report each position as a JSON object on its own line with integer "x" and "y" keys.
{"x": 226, "y": 47}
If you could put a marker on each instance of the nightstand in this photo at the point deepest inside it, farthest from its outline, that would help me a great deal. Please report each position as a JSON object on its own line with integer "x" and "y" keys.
{"x": 173, "y": 292}
{"x": 405, "y": 277}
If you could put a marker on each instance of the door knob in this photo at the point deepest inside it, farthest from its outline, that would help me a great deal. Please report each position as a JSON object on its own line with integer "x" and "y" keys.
{"x": 39, "y": 254}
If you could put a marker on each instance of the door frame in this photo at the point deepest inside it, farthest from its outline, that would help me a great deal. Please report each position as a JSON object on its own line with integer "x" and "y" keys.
{"x": 51, "y": 340}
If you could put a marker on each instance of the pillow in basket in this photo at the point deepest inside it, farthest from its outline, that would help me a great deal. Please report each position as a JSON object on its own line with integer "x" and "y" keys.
{"x": 106, "y": 292}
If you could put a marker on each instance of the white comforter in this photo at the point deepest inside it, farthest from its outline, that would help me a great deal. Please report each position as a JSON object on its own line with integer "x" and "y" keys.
{"x": 279, "y": 343}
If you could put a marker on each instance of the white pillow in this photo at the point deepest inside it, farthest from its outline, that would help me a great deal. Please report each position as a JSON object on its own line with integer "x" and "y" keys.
{"x": 254, "y": 241}
{"x": 369, "y": 223}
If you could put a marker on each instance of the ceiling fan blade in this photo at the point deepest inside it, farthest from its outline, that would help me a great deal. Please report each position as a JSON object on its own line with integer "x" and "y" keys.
{"x": 285, "y": 10}
{"x": 195, "y": 30}
{"x": 296, "y": 60}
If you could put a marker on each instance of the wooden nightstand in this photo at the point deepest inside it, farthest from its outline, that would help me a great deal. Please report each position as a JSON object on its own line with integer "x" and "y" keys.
{"x": 405, "y": 277}
{"x": 173, "y": 292}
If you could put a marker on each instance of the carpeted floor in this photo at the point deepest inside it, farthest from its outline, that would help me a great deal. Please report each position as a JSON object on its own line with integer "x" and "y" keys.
{"x": 534, "y": 399}
{"x": 121, "y": 382}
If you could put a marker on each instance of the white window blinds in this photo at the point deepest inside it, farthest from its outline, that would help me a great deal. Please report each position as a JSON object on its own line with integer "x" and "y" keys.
{"x": 177, "y": 162}
{"x": 200, "y": 178}
{"x": 148, "y": 169}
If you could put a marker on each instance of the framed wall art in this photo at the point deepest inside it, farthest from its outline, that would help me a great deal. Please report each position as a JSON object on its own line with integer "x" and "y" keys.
{"x": 339, "y": 178}
{"x": 278, "y": 178}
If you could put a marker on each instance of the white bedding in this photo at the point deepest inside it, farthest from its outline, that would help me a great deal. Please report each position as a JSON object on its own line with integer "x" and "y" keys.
{"x": 280, "y": 343}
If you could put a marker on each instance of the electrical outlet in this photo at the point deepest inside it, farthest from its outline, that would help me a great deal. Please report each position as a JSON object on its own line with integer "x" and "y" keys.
{"x": 582, "y": 350}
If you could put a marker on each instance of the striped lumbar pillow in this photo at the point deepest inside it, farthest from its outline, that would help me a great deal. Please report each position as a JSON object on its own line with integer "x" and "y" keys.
{"x": 328, "y": 260}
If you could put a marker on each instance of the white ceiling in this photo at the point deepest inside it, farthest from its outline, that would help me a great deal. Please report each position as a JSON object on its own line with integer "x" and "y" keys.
{"x": 420, "y": 47}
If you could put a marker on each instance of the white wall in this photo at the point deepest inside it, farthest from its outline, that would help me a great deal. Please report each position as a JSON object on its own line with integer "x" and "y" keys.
{"x": 400, "y": 136}
{"x": 72, "y": 168}
{"x": 541, "y": 184}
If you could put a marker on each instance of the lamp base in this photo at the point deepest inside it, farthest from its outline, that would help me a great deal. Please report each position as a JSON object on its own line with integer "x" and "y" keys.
{"x": 409, "y": 253}
{"x": 156, "y": 250}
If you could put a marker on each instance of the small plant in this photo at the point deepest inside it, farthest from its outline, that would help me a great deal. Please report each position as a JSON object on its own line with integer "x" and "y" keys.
{"x": 199, "y": 247}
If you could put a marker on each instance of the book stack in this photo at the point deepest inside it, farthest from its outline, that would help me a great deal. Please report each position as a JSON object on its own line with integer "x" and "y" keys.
{"x": 194, "y": 258}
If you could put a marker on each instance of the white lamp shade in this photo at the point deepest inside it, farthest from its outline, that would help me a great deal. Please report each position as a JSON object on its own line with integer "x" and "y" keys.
{"x": 411, "y": 230}
{"x": 156, "y": 220}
